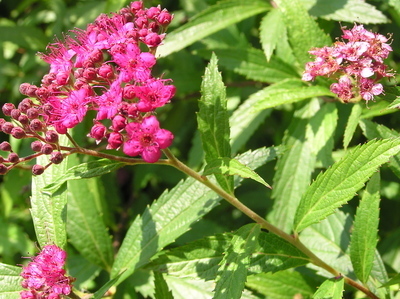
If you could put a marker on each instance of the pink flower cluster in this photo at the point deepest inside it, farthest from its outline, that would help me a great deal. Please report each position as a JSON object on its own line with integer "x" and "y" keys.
{"x": 44, "y": 276}
{"x": 103, "y": 69}
{"x": 358, "y": 64}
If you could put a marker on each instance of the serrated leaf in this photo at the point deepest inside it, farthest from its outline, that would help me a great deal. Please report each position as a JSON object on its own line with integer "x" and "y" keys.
{"x": 303, "y": 31}
{"x": 252, "y": 64}
{"x": 340, "y": 183}
{"x": 214, "y": 18}
{"x": 184, "y": 288}
{"x": 169, "y": 217}
{"x": 365, "y": 232}
{"x": 233, "y": 269}
{"x": 83, "y": 171}
{"x": 394, "y": 280}
{"x": 10, "y": 281}
{"x": 287, "y": 92}
{"x": 272, "y": 31}
{"x": 346, "y": 11}
{"x": 352, "y": 124}
{"x": 330, "y": 289}
{"x": 161, "y": 288}
{"x": 213, "y": 120}
{"x": 281, "y": 285}
{"x": 49, "y": 211}
{"x": 228, "y": 166}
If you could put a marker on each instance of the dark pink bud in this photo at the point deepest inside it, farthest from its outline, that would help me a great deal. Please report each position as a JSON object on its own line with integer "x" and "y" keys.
{"x": 2, "y": 121}
{"x": 7, "y": 127}
{"x": 154, "y": 27}
{"x": 36, "y": 146}
{"x": 37, "y": 169}
{"x": 98, "y": 131}
{"x": 152, "y": 39}
{"x": 117, "y": 49}
{"x": 23, "y": 88}
{"x": 42, "y": 93}
{"x": 129, "y": 92}
{"x": 32, "y": 113}
{"x": 153, "y": 12}
{"x": 23, "y": 119}
{"x": 78, "y": 73}
{"x": 143, "y": 32}
{"x": 36, "y": 125}
{"x": 15, "y": 113}
{"x": 51, "y": 136}
{"x": 164, "y": 18}
{"x": 48, "y": 78}
{"x": 106, "y": 71}
{"x": 46, "y": 149}
{"x": 136, "y": 5}
{"x": 18, "y": 133}
{"x": 7, "y": 108}
{"x": 56, "y": 157}
{"x": 96, "y": 56}
{"x": 89, "y": 74}
{"x": 133, "y": 111}
{"x": 13, "y": 158}
{"x": 118, "y": 123}
{"x": 141, "y": 22}
{"x": 115, "y": 140}
{"x": 24, "y": 105}
{"x": 3, "y": 169}
{"x": 5, "y": 146}
{"x": 62, "y": 78}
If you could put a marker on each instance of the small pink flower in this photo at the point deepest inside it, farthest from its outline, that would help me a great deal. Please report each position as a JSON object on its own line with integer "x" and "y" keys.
{"x": 147, "y": 139}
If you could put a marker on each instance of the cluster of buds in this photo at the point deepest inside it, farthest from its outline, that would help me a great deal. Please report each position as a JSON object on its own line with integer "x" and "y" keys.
{"x": 357, "y": 64}
{"x": 102, "y": 69}
{"x": 44, "y": 276}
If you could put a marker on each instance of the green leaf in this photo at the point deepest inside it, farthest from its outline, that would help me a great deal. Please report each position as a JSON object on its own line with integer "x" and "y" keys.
{"x": 339, "y": 183}
{"x": 352, "y": 124}
{"x": 10, "y": 281}
{"x": 252, "y": 64}
{"x": 281, "y": 285}
{"x": 100, "y": 292}
{"x": 213, "y": 120}
{"x": 346, "y": 11}
{"x": 83, "y": 171}
{"x": 184, "y": 288}
{"x": 161, "y": 288}
{"x": 228, "y": 166}
{"x": 233, "y": 268}
{"x": 213, "y": 19}
{"x": 365, "y": 231}
{"x": 200, "y": 259}
{"x": 49, "y": 212}
{"x": 310, "y": 135}
{"x": 286, "y": 92}
{"x": 272, "y": 31}
{"x": 171, "y": 216}
{"x": 303, "y": 31}
{"x": 330, "y": 289}
{"x": 394, "y": 280}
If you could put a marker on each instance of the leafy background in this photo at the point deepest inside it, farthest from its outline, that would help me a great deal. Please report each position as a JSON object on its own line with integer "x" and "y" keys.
{"x": 261, "y": 52}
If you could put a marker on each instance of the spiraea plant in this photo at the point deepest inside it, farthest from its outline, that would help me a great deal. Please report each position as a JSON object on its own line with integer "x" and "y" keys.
{"x": 250, "y": 85}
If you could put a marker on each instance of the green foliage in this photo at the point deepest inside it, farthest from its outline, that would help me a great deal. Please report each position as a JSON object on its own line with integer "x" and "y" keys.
{"x": 149, "y": 231}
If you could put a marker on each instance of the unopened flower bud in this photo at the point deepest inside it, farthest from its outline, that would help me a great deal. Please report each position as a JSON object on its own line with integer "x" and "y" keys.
{"x": 13, "y": 158}
{"x": 141, "y": 22}
{"x": 152, "y": 39}
{"x": 46, "y": 149}
{"x": 5, "y": 146}
{"x": 106, "y": 71}
{"x": 51, "y": 136}
{"x": 36, "y": 146}
{"x": 7, "y": 127}
{"x": 15, "y": 113}
{"x": 24, "y": 105}
{"x": 32, "y": 113}
{"x": 115, "y": 140}
{"x": 3, "y": 169}
{"x": 96, "y": 56}
{"x": 36, "y": 125}
{"x": 23, "y": 119}
{"x": 136, "y": 5}
{"x": 164, "y": 18}
{"x": 56, "y": 157}
{"x": 37, "y": 169}
{"x": 7, "y": 108}
{"x": 98, "y": 131}
{"x": 118, "y": 123}
{"x": 62, "y": 78}
{"x": 153, "y": 12}
{"x": 18, "y": 133}
{"x": 89, "y": 73}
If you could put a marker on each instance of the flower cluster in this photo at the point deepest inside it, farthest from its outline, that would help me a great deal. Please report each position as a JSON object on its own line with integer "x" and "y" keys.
{"x": 357, "y": 63}
{"x": 44, "y": 276}
{"x": 104, "y": 69}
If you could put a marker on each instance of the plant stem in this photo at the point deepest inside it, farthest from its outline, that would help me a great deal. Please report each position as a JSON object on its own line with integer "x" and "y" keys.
{"x": 173, "y": 161}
